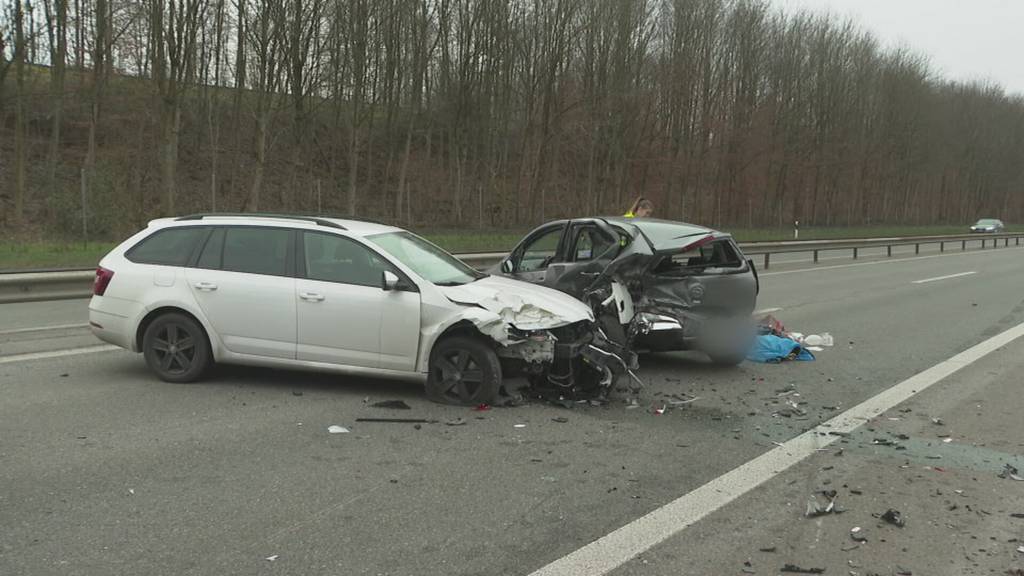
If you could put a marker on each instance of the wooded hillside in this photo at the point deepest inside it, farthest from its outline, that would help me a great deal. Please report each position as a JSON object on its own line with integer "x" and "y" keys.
{"x": 485, "y": 113}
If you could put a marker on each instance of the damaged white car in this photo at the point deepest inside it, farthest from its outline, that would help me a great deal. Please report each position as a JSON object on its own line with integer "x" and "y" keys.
{"x": 343, "y": 295}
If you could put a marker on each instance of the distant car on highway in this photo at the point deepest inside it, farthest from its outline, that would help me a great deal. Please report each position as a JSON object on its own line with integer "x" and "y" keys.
{"x": 340, "y": 295}
{"x": 694, "y": 284}
{"x": 989, "y": 225}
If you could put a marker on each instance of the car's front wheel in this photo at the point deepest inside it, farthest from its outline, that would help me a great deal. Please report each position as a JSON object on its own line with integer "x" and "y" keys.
{"x": 463, "y": 371}
{"x": 176, "y": 348}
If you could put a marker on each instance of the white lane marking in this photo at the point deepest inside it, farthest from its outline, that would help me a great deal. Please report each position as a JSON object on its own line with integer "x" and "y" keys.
{"x": 767, "y": 311}
{"x": 620, "y": 546}
{"x": 58, "y": 353}
{"x": 42, "y": 328}
{"x": 947, "y": 277}
{"x": 886, "y": 261}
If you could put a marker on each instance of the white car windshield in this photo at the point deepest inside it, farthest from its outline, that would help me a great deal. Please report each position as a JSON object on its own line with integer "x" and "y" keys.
{"x": 425, "y": 259}
{"x": 986, "y": 223}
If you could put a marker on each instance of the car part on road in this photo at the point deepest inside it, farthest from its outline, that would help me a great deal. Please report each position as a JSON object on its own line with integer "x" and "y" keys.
{"x": 793, "y": 568}
{"x": 337, "y": 430}
{"x": 391, "y": 404}
{"x": 894, "y": 517}
{"x": 1011, "y": 472}
{"x": 397, "y": 420}
{"x": 176, "y": 348}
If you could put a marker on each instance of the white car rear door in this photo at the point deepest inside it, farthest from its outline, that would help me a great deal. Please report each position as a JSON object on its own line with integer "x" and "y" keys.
{"x": 244, "y": 283}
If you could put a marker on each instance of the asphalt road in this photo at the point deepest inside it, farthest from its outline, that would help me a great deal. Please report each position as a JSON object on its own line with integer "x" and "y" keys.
{"x": 106, "y": 470}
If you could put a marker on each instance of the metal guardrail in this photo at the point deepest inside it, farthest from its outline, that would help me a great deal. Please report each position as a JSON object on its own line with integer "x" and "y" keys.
{"x": 816, "y": 247}
{"x": 77, "y": 283}
{"x": 40, "y": 286}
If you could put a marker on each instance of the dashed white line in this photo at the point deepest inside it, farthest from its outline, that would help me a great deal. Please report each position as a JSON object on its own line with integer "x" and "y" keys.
{"x": 947, "y": 277}
{"x": 620, "y": 546}
{"x": 42, "y": 329}
{"x": 58, "y": 353}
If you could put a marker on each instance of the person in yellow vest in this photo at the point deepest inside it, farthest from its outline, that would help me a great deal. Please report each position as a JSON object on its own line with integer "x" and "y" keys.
{"x": 641, "y": 208}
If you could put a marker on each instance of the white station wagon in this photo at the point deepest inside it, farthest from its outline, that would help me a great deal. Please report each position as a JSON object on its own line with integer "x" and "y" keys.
{"x": 343, "y": 295}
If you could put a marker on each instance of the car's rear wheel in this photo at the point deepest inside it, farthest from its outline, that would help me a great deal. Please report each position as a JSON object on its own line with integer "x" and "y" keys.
{"x": 463, "y": 371}
{"x": 176, "y": 348}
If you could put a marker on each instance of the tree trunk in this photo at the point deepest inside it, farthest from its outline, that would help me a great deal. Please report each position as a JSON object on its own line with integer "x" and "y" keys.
{"x": 19, "y": 113}
{"x": 170, "y": 122}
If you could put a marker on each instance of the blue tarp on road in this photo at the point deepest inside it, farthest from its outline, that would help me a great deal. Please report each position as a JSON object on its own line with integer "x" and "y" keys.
{"x": 771, "y": 348}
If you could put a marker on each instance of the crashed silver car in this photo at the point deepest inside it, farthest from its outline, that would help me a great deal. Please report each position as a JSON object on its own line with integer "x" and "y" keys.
{"x": 340, "y": 295}
{"x": 657, "y": 285}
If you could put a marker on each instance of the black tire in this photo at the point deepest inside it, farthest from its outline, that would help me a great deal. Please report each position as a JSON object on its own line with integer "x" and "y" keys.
{"x": 176, "y": 348}
{"x": 463, "y": 371}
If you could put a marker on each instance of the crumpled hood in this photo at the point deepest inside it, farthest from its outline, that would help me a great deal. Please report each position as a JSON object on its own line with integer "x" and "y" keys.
{"x": 523, "y": 305}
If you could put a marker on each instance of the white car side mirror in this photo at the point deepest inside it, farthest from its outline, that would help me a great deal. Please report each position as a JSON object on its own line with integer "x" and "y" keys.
{"x": 389, "y": 281}
{"x": 506, "y": 266}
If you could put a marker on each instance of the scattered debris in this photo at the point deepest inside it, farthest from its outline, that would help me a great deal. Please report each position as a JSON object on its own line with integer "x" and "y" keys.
{"x": 1020, "y": 549}
{"x": 455, "y": 422}
{"x": 850, "y": 547}
{"x": 271, "y": 558}
{"x": 337, "y": 430}
{"x": 857, "y": 533}
{"x": 1017, "y": 515}
{"x": 131, "y": 492}
{"x": 560, "y": 419}
{"x": 794, "y": 569}
{"x": 481, "y": 408}
{"x": 65, "y": 375}
{"x": 391, "y": 405}
{"x": 824, "y": 339}
{"x": 938, "y": 421}
{"x": 519, "y": 425}
{"x": 1012, "y": 473}
{"x": 769, "y": 549}
{"x": 815, "y": 508}
{"x": 296, "y": 393}
{"x": 894, "y": 517}
{"x": 901, "y": 571}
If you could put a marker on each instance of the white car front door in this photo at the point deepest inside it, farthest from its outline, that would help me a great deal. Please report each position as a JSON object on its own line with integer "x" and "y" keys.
{"x": 344, "y": 315}
{"x": 244, "y": 285}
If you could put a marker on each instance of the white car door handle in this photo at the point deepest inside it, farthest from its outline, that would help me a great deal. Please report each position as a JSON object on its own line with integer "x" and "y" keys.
{"x": 206, "y": 286}
{"x": 311, "y": 296}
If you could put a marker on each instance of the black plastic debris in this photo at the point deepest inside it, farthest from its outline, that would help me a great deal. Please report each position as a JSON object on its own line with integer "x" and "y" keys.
{"x": 560, "y": 419}
{"x": 858, "y": 535}
{"x": 904, "y": 571}
{"x": 794, "y": 569}
{"x": 455, "y": 422}
{"x": 296, "y": 393}
{"x": 769, "y": 549}
{"x": 1017, "y": 515}
{"x": 893, "y": 516}
{"x": 392, "y": 405}
{"x": 1012, "y": 473}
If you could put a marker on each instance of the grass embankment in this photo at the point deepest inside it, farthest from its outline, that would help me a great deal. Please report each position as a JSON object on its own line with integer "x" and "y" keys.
{"x": 46, "y": 255}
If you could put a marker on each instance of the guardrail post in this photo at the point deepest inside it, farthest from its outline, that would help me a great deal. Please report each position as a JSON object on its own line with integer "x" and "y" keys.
{"x": 942, "y": 246}
{"x": 1007, "y": 244}
{"x": 917, "y": 248}
{"x": 963, "y": 244}
{"x": 766, "y": 258}
{"x": 983, "y": 241}
{"x": 1018, "y": 240}
{"x": 815, "y": 256}
{"x": 854, "y": 253}
{"x": 888, "y": 250}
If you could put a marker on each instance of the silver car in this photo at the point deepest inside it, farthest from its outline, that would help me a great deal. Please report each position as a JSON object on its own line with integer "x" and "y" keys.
{"x": 988, "y": 225}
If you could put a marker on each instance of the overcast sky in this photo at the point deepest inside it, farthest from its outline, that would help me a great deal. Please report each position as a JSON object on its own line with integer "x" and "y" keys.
{"x": 963, "y": 39}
